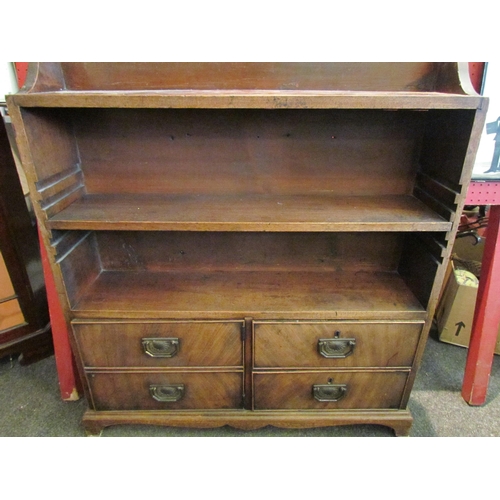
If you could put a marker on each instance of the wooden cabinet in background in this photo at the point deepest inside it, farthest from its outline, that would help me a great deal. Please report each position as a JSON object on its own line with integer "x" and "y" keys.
{"x": 248, "y": 244}
{"x": 24, "y": 316}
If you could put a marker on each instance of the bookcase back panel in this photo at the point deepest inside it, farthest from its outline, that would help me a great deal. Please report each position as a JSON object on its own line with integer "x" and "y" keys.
{"x": 248, "y": 151}
{"x": 280, "y": 76}
{"x": 159, "y": 251}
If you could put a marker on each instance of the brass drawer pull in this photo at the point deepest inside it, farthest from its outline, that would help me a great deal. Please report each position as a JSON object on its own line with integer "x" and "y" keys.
{"x": 336, "y": 347}
{"x": 167, "y": 393}
{"x": 329, "y": 392}
{"x": 161, "y": 347}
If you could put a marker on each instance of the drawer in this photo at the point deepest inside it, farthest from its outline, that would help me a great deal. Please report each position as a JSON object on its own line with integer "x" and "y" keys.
{"x": 335, "y": 344}
{"x": 166, "y": 391}
{"x": 329, "y": 391}
{"x": 159, "y": 344}
{"x": 10, "y": 314}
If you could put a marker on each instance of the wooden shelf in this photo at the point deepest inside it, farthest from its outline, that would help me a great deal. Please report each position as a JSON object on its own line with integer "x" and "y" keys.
{"x": 259, "y": 294}
{"x": 315, "y": 212}
{"x": 263, "y": 99}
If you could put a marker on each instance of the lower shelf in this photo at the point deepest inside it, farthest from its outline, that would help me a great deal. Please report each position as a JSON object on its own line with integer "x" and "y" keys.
{"x": 399, "y": 420}
{"x": 258, "y": 294}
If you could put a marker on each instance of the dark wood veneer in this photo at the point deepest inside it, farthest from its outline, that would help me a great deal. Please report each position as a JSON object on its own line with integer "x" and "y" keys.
{"x": 295, "y": 345}
{"x": 364, "y": 390}
{"x": 200, "y": 343}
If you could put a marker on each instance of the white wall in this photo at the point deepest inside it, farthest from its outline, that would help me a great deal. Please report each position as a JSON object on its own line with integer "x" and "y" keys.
{"x": 8, "y": 80}
{"x": 487, "y": 144}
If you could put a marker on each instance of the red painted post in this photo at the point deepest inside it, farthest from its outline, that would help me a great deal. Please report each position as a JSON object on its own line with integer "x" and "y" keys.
{"x": 486, "y": 318}
{"x": 476, "y": 72}
{"x": 487, "y": 311}
{"x": 65, "y": 363}
{"x": 68, "y": 381}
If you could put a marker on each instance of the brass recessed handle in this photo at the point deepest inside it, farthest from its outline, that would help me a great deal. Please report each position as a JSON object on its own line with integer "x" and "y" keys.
{"x": 329, "y": 392}
{"x": 336, "y": 347}
{"x": 161, "y": 347}
{"x": 167, "y": 393}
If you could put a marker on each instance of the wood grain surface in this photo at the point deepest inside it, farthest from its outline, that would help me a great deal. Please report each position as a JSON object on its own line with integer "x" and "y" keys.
{"x": 249, "y": 213}
{"x": 270, "y": 295}
{"x": 199, "y": 343}
{"x": 248, "y": 251}
{"x": 288, "y": 345}
{"x": 131, "y": 391}
{"x": 294, "y": 390}
{"x": 249, "y": 75}
{"x": 189, "y": 151}
{"x": 232, "y": 99}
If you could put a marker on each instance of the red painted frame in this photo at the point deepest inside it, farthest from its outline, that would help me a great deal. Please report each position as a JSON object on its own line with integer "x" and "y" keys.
{"x": 487, "y": 311}
{"x": 65, "y": 363}
{"x": 486, "y": 317}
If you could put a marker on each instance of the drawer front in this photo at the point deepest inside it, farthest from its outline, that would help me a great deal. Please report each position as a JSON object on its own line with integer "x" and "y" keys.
{"x": 166, "y": 391}
{"x": 329, "y": 390}
{"x": 160, "y": 344}
{"x": 335, "y": 344}
{"x": 10, "y": 314}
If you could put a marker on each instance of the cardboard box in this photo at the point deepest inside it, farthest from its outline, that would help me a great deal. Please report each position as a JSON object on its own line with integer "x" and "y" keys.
{"x": 455, "y": 311}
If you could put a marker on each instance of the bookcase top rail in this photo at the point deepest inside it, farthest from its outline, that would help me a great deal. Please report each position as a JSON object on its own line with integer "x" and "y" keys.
{"x": 247, "y": 99}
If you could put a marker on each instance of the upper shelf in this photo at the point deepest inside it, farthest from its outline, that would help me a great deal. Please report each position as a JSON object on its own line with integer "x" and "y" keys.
{"x": 249, "y": 85}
